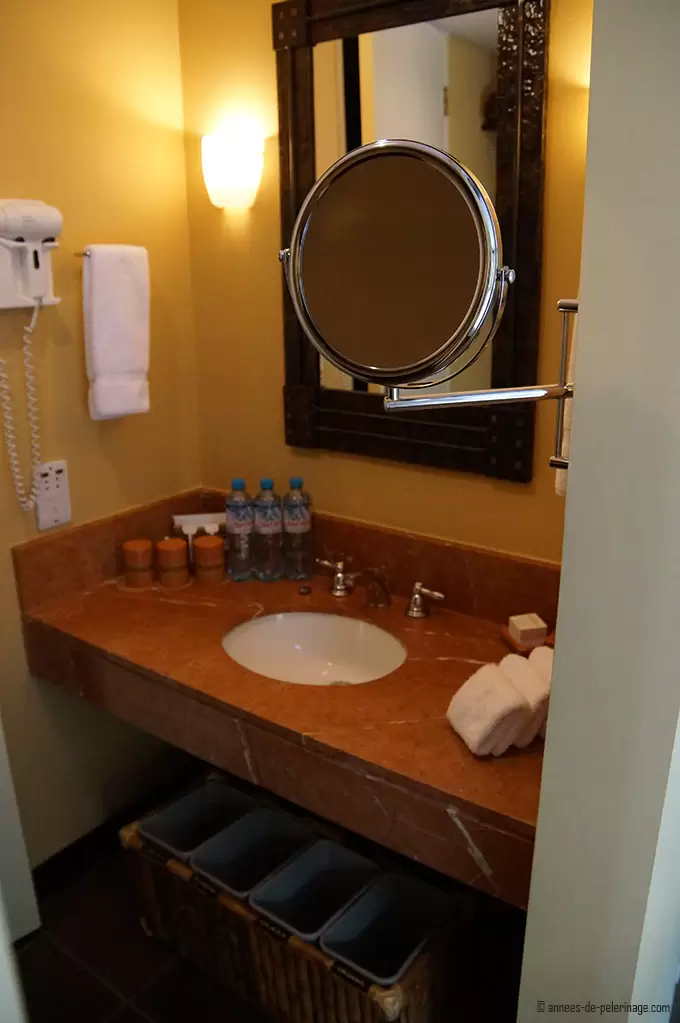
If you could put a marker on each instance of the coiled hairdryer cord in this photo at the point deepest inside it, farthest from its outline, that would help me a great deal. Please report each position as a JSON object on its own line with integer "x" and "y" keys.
{"x": 26, "y": 498}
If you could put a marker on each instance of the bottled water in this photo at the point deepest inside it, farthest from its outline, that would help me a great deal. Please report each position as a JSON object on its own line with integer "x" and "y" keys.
{"x": 298, "y": 558}
{"x": 239, "y": 532}
{"x": 267, "y": 533}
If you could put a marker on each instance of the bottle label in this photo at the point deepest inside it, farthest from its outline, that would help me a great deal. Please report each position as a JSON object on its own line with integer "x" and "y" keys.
{"x": 268, "y": 519}
{"x": 239, "y": 519}
{"x": 241, "y": 544}
{"x": 297, "y": 519}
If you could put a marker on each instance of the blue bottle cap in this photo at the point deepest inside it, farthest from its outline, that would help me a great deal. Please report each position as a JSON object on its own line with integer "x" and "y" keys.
{"x": 296, "y": 482}
{"x": 267, "y": 484}
{"x": 238, "y": 484}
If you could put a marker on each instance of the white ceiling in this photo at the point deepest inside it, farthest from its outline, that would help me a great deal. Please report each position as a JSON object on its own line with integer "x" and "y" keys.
{"x": 480, "y": 27}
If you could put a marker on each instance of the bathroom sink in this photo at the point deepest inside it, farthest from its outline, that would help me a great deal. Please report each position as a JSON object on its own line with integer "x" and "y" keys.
{"x": 314, "y": 649}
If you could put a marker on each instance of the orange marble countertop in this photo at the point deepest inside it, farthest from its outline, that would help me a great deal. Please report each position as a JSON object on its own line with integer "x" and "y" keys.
{"x": 392, "y": 730}
{"x": 396, "y": 723}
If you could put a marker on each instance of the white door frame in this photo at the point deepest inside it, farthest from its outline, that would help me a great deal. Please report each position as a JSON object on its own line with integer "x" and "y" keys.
{"x": 596, "y": 930}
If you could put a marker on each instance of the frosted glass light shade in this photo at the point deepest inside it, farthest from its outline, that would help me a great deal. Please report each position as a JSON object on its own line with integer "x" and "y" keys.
{"x": 233, "y": 158}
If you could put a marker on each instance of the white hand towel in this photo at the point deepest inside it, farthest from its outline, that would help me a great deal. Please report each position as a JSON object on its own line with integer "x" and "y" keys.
{"x": 488, "y": 712}
{"x": 513, "y": 726}
{"x": 116, "y": 318}
{"x": 542, "y": 661}
{"x": 534, "y": 687}
{"x": 562, "y": 474}
{"x": 113, "y": 397}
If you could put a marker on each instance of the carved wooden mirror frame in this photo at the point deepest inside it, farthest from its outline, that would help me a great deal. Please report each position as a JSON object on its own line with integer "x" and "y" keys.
{"x": 497, "y": 441}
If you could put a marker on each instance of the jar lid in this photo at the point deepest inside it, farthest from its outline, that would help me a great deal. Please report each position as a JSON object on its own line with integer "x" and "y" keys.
{"x": 137, "y": 552}
{"x": 208, "y": 543}
{"x": 139, "y": 545}
{"x": 172, "y": 550}
{"x": 209, "y": 552}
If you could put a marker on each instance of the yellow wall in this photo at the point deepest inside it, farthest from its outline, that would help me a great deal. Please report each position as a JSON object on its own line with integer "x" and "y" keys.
{"x": 227, "y": 60}
{"x": 91, "y": 111}
{"x": 91, "y": 121}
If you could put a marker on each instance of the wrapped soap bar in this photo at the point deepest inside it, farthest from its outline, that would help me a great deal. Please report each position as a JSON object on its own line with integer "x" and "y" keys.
{"x": 528, "y": 630}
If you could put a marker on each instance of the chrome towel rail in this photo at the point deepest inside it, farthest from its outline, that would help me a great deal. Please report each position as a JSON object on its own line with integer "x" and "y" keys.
{"x": 567, "y": 307}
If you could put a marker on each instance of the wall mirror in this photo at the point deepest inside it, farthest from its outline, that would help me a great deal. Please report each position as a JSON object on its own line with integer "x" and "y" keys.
{"x": 468, "y": 79}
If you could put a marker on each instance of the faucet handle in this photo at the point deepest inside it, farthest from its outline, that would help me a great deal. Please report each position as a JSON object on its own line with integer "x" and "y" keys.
{"x": 417, "y": 608}
{"x": 335, "y": 566}
{"x": 343, "y": 582}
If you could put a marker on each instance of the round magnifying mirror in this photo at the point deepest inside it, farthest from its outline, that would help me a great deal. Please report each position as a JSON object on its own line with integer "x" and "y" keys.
{"x": 395, "y": 264}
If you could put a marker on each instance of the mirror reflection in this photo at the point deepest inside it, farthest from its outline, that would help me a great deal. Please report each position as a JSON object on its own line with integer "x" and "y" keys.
{"x": 391, "y": 262}
{"x": 433, "y": 82}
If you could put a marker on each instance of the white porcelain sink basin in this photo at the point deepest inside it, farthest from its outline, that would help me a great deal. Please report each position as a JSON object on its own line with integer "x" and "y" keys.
{"x": 314, "y": 649}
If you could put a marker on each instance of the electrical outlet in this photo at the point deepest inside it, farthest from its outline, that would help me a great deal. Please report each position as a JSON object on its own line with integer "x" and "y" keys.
{"x": 53, "y": 503}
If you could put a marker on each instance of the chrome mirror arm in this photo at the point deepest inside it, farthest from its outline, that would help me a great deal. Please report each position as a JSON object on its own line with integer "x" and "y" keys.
{"x": 561, "y": 391}
{"x": 494, "y": 396}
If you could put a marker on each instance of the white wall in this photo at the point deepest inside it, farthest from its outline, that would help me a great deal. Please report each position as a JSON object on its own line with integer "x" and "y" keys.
{"x": 659, "y": 958}
{"x": 616, "y": 695}
{"x": 410, "y": 71}
{"x": 329, "y": 105}
{"x": 472, "y": 72}
{"x": 15, "y": 875}
{"x": 329, "y": 144}
{"x": 11, "y": 1009}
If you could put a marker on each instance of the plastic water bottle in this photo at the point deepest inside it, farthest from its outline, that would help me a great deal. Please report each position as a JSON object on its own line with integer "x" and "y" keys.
{"x": 267, "y": 533}
{"x": 298, "y": 557}
{"x": 239, "y": 532}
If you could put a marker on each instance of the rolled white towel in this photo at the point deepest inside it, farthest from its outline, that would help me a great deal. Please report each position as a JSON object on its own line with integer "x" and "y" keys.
{"x": 514, "y": 726}
{"x": 488, "y": 712}
{"x": 534, "y": 687}
{"x": 542, "y": 660}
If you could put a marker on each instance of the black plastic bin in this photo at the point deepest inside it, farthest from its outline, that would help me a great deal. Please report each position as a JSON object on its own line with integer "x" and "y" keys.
{"x": 381, "y": 933}
{"x": 307, "y": 895}
{"x": 188, "y": 823}
{"x": 243, "y": 855}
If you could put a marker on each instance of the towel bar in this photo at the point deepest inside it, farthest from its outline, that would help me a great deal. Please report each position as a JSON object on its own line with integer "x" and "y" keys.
{"x": 567, "y": 307}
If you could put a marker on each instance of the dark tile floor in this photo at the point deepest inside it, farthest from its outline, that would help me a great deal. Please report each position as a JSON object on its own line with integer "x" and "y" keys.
{"x": 92, "y": 963}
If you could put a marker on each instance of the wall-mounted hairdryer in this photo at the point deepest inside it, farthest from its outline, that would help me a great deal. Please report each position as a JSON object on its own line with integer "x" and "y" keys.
{"x": 28, "y": 233}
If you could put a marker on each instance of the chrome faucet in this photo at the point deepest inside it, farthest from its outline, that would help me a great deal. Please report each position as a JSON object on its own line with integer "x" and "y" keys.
{"x": 417, "y": 606}
{"x": 343, "y": 583}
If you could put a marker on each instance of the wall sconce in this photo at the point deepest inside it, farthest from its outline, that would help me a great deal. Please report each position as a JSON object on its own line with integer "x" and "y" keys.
{"x": 233, "y": 157}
